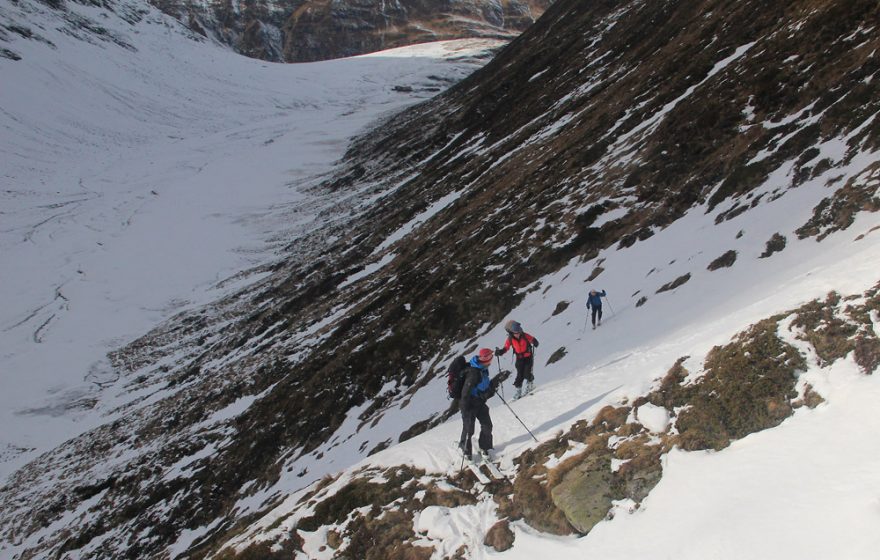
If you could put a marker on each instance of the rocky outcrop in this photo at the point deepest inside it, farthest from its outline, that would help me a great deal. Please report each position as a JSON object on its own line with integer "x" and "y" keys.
{"x": 310, "y": 30}
{"x": 608, "y": 465}
{"x": 585, "y": 493}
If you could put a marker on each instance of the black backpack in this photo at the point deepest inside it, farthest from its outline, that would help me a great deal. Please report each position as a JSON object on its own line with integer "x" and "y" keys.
{"x": 455, "y": 377}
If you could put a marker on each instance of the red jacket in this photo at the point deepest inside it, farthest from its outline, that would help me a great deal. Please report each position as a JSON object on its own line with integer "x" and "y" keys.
{"x": 522, "y": 347}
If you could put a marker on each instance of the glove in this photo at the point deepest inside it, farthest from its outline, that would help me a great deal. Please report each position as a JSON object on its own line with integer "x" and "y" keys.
{"x": 499, "y": 351}
{"x": 499, "y": 378}
{"x": 493, "y": 385}
{"x": 535, "y": 343}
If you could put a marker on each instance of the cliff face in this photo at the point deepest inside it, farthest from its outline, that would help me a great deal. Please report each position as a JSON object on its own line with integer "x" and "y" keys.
{"x": 310, "y": 30}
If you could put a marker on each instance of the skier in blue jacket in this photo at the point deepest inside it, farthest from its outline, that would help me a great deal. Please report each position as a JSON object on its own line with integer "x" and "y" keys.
{"x": 594, "y": 301}
{"x": 476, "y": 390}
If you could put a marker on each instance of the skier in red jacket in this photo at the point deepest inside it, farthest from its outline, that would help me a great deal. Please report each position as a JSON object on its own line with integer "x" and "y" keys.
{"x": 523, "y": 345}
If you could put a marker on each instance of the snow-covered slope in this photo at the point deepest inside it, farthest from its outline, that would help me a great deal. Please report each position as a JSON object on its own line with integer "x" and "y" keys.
{"x": 665, "y": 170}
{"x": 139, "y": 182}
{"x": 813, "y": 475}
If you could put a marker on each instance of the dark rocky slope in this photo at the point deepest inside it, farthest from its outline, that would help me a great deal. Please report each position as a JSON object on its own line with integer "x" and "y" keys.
{"x": 309, "y": 30}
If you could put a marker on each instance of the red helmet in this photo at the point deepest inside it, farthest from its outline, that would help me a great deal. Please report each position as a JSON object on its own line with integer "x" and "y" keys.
{"x": 485, "y": 356}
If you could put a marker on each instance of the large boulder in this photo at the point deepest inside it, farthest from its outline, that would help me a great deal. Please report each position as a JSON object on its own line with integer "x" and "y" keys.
{"x": 585, "y": 494}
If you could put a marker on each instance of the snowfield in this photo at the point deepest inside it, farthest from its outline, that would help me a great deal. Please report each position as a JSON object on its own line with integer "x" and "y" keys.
{"x": 137, "y": 184}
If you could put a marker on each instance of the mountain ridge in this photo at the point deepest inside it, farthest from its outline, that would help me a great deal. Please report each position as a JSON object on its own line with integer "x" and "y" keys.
{"x": 308, "y": 30}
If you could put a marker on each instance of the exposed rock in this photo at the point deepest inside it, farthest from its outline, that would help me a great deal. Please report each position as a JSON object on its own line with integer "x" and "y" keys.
{"x": 557, "y": 355}
{"x": 641, "y": 482}
{"x": 867, "y": 353}
{"x": 747, "y": 387}
{"x": 674, "y": 284}
{"x": 334, "y": 539}
{"x": 560, "y": 307}
{"x": 11, "y": 55}
{"x": 585, "y": 494}
{"x": 775, "y": 244}
{"x": 500, "y": 536}
{"x": 838, "y": 211}
{"x": 310, "y": 30}
{"x": 810, "y": 399}
{"x": 724, "y": 261}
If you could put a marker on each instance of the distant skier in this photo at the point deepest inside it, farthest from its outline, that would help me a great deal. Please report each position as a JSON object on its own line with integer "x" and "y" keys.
{"x": 523, "y": 345}
{"x": 594, "y": 301}
{"x": 475, "y": 392}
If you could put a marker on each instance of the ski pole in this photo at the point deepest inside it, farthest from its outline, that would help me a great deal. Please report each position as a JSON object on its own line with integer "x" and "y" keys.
{"x": 501, "y": 385}
{"x": 586, "y": 320}
{"x": 609, "y": 305}
{"x": 518, "y": 418}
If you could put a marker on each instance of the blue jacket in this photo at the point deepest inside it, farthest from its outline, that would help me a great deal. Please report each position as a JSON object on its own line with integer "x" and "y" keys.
{"x": 595, "y": 300}
{"x": 483, "y": 384}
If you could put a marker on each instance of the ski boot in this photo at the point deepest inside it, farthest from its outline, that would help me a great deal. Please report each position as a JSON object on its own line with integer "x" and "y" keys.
{"x": 530, "y": 386}
{"x": 518, "y": 393}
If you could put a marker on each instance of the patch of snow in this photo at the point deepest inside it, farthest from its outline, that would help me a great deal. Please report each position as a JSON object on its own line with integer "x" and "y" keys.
{"x": 654, "y": 418}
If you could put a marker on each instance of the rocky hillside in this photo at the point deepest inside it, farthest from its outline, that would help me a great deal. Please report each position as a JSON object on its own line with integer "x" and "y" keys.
{"x": 309, "y": 30}
{"x": 597, "y": 469}
{"x": 603, "y": 125}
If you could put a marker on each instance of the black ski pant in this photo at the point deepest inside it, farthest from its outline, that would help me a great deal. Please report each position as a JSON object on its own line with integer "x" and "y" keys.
{"x": 472, "y": 410}
{"x": 597, "y": 313}
{"x": 524, "y": 369}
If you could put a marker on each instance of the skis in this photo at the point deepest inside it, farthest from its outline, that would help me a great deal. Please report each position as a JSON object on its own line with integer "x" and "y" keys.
{"x": 523, "y": 394}
{"x": 477, "y": 472}
{"x": 492, "y": 468}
